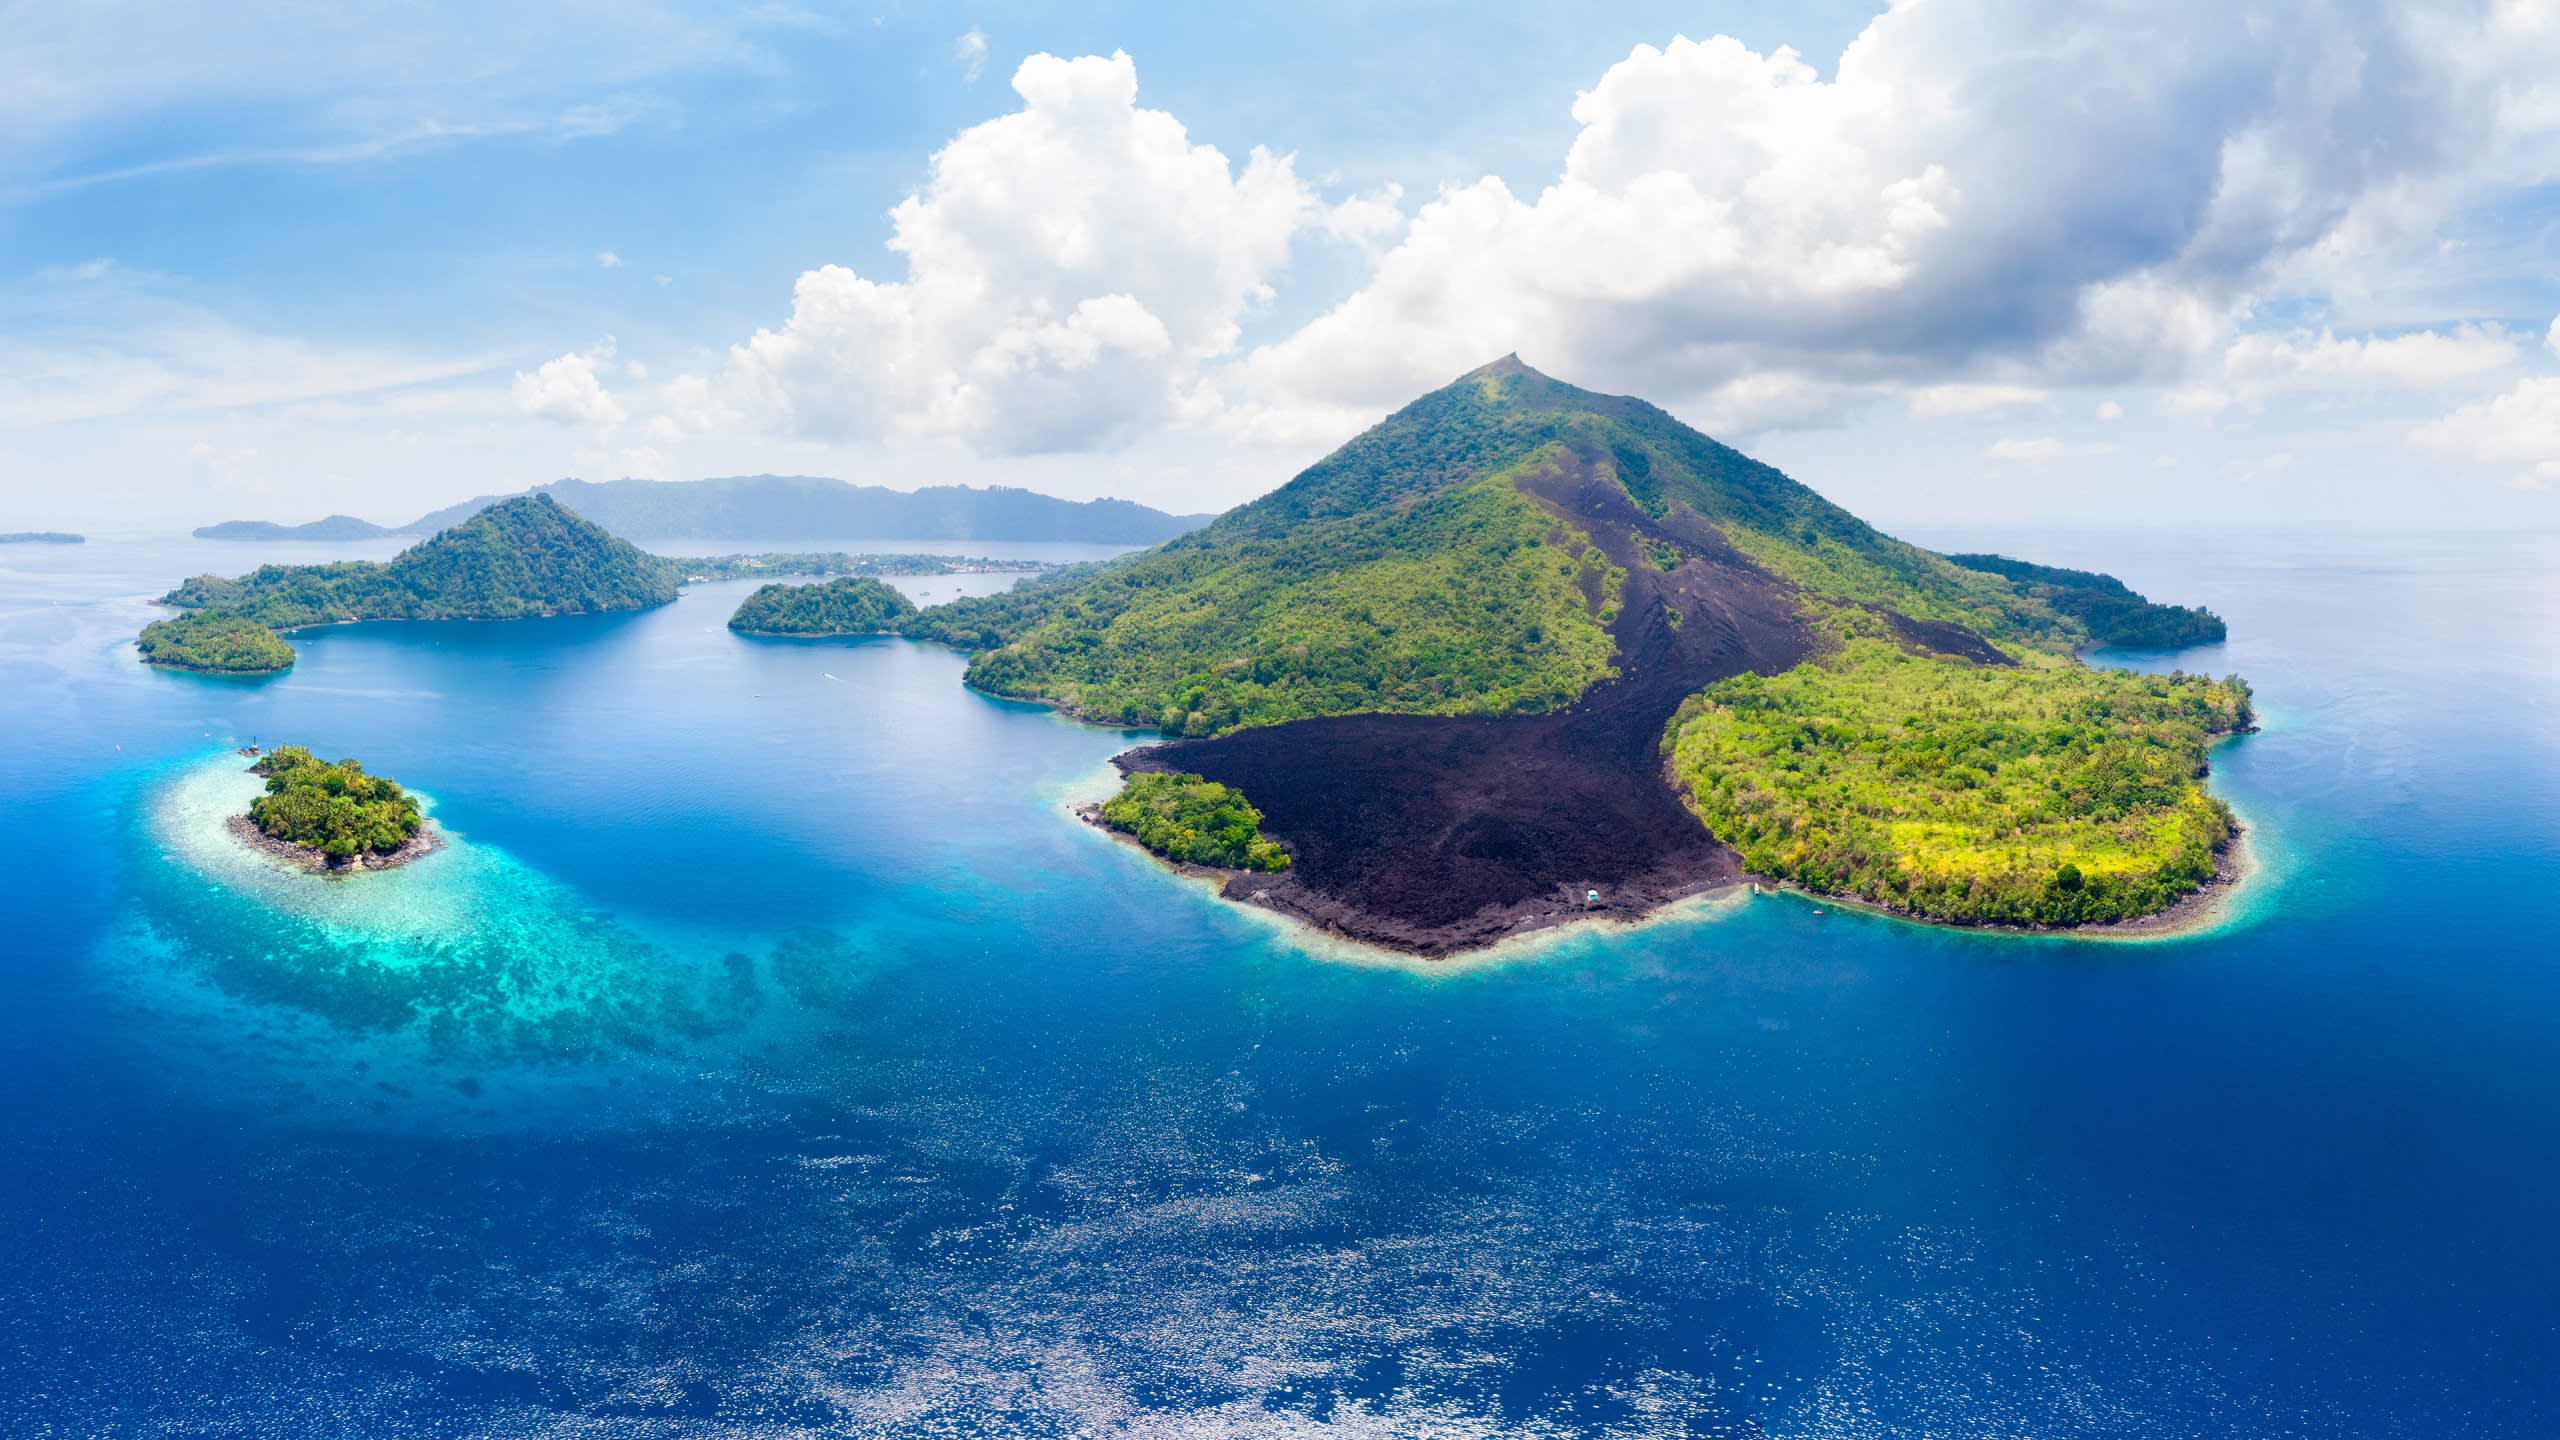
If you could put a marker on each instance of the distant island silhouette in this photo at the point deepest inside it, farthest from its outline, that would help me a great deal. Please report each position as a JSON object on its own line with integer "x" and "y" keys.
{"x": 768, "y": 507}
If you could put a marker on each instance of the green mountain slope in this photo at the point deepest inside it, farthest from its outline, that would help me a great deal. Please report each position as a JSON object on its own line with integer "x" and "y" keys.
{"x": 1470, "y": 599}
{"x": 1439, "y": 564}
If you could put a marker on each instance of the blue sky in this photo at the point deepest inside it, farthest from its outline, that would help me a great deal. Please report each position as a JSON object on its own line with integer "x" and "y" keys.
{"x": 1964, "y": 261}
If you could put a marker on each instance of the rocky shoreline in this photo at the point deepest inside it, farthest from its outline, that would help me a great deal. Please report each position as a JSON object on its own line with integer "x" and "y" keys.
{"x": 1634, "y": 899}
{"x": 1629, "y": 900}
{"x": 1633, "y": 903}
{"x": 417, "y": 847}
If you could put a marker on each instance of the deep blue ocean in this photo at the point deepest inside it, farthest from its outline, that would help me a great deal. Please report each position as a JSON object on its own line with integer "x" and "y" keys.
{"x": 771, "y": 1053}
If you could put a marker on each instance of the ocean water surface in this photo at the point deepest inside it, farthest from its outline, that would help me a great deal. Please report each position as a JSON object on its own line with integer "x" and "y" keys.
{"x": 770, "y": 1053}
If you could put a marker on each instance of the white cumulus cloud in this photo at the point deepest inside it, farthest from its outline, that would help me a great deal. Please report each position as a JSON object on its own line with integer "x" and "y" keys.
{"x": 2261, "y": 362}
{"x": 1932, "y": 402}
{"x": 2069, "y": 194}
{"x": 1070, "y": 268}
{"x": 2519, "y": 429}
{"x": 568, "y": 391}
{"x": 2045, "y": 450}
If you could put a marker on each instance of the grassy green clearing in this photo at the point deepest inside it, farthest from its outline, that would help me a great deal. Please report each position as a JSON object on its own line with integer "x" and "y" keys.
{"x": 2045, "y": 794}
{"x": 334, "y": 808}
{"x": 228, "y": 644}
{"x": 1200, "y": 822}
{"x": 847, "y": 606}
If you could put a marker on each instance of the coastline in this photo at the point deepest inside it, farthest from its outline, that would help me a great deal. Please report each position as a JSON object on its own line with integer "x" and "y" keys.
{"x": 184, "y": 669}
{"x": 2198, "y": 910}
{"x": 1536, "y": 933}
{"x": 417, "y": 847}
{"x": 1531, "y": 924}
{"x": 2192, "y": 913}
{"x": 1640, "y": 873}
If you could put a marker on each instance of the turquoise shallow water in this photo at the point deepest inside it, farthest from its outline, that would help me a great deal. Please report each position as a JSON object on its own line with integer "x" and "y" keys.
{"x": 769, "y": 1053}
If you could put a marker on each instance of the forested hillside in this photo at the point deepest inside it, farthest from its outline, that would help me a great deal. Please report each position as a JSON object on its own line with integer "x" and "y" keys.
{"x": 521, "y": 558}
{"x": 1420, "y": 569}
{"x": 1875, "y": 718}
{"x": 852, "y": 605}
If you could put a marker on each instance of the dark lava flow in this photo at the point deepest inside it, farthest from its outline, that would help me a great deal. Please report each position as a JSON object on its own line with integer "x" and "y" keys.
{"x": 1436, "y": 834}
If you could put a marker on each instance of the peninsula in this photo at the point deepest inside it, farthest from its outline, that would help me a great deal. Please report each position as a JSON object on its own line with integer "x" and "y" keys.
{"x": 214, "y": 644}
{"x": 1523, "y": 653}
{"x": 332, "y": 815}
{"x": 41, "y": 537}
{"x": 1191, "y": 821}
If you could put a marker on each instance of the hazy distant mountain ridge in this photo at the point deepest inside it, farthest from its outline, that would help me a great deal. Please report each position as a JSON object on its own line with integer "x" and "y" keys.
{"x": 778, "y": 506}
{"x": 333, "y": 527}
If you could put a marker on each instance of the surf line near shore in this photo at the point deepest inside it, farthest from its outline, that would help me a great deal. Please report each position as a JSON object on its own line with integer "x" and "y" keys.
{"x": 417, "y": 847}
{"x": 1082, "y": 797}
{"x": 2242, "y": 872}
{"x": 2239, "y": 874}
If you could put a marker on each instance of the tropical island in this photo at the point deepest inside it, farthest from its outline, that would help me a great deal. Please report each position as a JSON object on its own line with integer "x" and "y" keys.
{"x": 849, "y": 605}
{"x": 331, "y": 815}
{"x": 517, "y": 559}
{"x": 42, "y": 537}
{"x": 1523, "y": 652}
